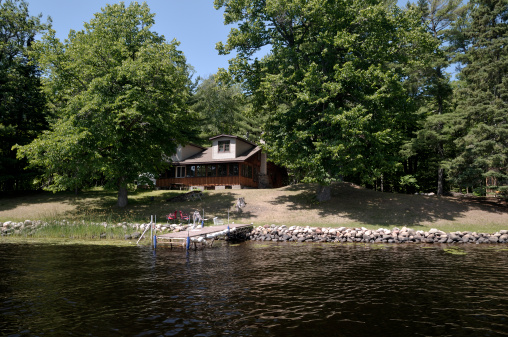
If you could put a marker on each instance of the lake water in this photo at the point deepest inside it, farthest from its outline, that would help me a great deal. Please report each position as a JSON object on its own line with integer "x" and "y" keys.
{"x": 254, "y": 289}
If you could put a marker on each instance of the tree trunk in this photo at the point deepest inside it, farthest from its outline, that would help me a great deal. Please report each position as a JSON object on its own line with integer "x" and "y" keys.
{"x": 440, "y": 181}
{"x": 122, "y": 193}
{"x": 323, "y": 193}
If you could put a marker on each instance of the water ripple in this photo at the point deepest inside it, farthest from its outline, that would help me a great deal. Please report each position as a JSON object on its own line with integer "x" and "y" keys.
{"x": 253, "y": 290}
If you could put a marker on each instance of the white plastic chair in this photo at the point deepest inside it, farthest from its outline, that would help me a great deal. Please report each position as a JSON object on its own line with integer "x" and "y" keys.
{"x": 217, "y": 221}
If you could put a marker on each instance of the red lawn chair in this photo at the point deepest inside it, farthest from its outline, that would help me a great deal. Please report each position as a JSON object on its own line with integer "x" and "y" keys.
{"x": 171, "y": 216}
{"x": 184, "y": 216}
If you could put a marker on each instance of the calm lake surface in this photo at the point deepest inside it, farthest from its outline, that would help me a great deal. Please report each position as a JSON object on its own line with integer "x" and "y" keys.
{"x": 254, "y": 289}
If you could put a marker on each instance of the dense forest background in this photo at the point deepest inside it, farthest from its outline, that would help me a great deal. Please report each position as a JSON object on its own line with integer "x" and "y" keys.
{"x": 360, "y": 91}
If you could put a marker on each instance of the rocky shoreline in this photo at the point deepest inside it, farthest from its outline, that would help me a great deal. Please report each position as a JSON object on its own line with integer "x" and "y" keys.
{"x": 280, "y": 233}
{"x": 342, "y": 234}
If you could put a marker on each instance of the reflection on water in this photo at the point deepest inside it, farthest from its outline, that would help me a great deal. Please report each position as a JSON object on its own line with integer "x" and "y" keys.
{"x": 254, "y": 290}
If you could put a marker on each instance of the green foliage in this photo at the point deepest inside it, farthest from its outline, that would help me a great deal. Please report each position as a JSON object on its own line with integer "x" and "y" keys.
{"x": 119, "y": 93}
{"x": 332, "y": 84}
{"x": 409, "y": 181}
{"x": 433, "y": 141}
{"x": 22, "y": 103}
{"x": 482, "y": 111}
{"x": 503, "y": 191}
{"x": 223, "y": 109}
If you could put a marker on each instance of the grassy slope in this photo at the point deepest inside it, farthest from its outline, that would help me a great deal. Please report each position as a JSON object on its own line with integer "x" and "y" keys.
{"x": 292, "y": 205}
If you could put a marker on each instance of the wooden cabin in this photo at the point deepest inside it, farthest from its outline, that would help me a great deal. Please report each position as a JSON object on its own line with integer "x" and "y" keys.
{"x": 230, "y": 163}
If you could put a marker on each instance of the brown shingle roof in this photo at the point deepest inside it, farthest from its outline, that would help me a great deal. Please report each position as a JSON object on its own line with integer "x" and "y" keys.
{"x": 205, "y": 157}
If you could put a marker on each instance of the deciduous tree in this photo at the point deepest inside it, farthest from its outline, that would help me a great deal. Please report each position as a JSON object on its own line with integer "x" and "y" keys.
{"x": 331, "y": 83}
{"x": 22, "y": 102}
{"x": 119, "y": 91}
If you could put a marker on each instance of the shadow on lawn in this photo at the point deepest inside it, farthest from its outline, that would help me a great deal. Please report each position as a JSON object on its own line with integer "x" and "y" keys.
{"x": 142, "y": 207}
{"x": 382, "y": 209}
{"x": 10, "y": 201}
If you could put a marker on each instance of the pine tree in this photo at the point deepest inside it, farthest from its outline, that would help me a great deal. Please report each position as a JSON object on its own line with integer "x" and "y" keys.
{"x": 432, "y": 143}
{"x": 483, "y": 97}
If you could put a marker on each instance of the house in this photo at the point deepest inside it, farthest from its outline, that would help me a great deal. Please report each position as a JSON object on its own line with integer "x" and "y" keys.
{"x": 230, "y": 163}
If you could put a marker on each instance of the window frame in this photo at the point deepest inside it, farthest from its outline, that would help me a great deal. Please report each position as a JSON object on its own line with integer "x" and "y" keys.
{"x": 223, "y": 146}
{"x": 180, "y": 172}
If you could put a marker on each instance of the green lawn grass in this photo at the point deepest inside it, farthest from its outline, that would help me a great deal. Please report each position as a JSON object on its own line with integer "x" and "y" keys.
{"x": 350, "y": 206}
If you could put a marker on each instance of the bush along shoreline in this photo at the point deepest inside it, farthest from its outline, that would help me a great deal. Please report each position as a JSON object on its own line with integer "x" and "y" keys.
{"x": 342, "y": 234}
{"x": 80, "y": 230}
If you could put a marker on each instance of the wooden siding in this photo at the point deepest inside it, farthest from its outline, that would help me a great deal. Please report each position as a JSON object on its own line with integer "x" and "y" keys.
{"x": 206, "y": 181}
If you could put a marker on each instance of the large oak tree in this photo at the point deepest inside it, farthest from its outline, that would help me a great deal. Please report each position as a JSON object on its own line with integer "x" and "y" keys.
{"x": 119, "y": 91}
{"x": 332, "y": 82}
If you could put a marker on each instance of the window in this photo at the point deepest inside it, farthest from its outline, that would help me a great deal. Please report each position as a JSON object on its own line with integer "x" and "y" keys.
{"x": 255, "y": 177}
{"x": 223, "y": 146}
{"x": 201, "y": 171}
{"x": 170, "y": 173}
{"x": 233, "y": 170}
{"x": 191, "y": 171}
{"x": 212, "y": 171}
{"x": 180, "y": 171}
{"x": 246, "y": 171}
{"x": 222, "y": 170}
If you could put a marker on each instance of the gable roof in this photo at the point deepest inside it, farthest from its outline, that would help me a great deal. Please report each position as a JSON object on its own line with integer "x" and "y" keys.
{"x": 205, "y": 157}
{"x": 236, "y": 137}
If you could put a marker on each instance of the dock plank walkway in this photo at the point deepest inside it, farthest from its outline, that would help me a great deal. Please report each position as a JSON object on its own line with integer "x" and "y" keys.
{"x": 199, "y": 231}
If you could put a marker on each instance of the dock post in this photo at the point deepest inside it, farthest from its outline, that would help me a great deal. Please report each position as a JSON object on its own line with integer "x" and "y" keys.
{"x": 188, "y": 241}
{"x": 155, "y": 232}
{"x": 151, "y": 228}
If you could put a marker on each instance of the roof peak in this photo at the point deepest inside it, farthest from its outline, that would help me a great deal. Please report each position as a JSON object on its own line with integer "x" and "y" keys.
{"x": 236, "y": 137}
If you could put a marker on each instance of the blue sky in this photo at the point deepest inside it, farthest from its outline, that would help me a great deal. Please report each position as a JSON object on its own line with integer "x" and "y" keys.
{"x": 195, "y": 23}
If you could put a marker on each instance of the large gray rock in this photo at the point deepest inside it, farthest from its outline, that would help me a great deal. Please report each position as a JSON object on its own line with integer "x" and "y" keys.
{"x": 493, "y": 239}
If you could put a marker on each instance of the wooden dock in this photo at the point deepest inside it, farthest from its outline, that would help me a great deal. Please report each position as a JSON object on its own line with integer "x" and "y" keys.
{"x": 181, "y": 237}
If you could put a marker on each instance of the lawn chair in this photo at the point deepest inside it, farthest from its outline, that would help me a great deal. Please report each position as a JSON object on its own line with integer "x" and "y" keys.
{"x": 184, "y": 216}
{"x": 171, "y": 216}
{"x": 217, "y": 221}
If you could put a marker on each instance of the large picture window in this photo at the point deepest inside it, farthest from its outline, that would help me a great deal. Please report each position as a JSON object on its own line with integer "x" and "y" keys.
{"x": 201, "y": 171}
{"x": 222, "y": 170}
{"x": 212, "y": 171}
{"x": 180, "y": 171}
{"x": 233, "y": 170}
{"x": 191, "y": 171}
{"x": 223, "y": 145}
